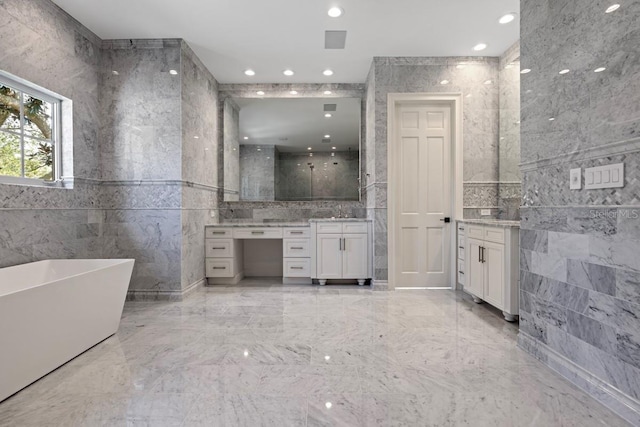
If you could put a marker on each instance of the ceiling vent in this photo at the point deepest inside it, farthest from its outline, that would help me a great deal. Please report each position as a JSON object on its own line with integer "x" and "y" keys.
{"x": 330, "y": 107}
{"x": 335, "y": 39}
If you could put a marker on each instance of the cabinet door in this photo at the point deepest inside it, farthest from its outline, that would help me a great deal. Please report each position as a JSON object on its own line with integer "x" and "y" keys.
{"x": 328, "y": 256}
{"x": 354, "y": 256}
{"x": 475, "y": 268}
{"x": 494, "y": 274}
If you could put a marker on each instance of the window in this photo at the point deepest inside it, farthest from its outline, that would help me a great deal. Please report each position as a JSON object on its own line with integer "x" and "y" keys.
{"x": 29, "y": 133}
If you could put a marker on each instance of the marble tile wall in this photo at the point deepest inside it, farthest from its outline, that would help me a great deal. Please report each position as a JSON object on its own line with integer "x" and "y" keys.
{"x": 480, "y": 128}
{"x": 509, "y": 194}
{"x": 200, "y": 156}
{"x": 141, "y": 142}
{"x": 42, "y": 44}
{"x": 580, "y": 272}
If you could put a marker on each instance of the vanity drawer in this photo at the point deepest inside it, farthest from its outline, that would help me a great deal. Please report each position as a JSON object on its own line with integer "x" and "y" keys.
{"x": 461, "y": 278}
{"x": 218, "y": 248}
{"x": 296, "y": 248}
{"x": 494, "y": 234}
{"x": 258, "y": 233}
{"x": 329, "y": 228}
{"x": 296, "y": 232}
{"x": 220, "y": 267}
{"x": 354, "y": 227}
{"x": 475, "y": 231}
{"x": 461, "y": 252}
{"x": 217, "y": 233}
{"x": 296, "y": 267}
{"x": 461, "y": 228}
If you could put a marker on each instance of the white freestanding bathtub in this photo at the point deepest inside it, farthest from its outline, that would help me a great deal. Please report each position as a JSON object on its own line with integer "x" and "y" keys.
{"x": 51, "y": 311}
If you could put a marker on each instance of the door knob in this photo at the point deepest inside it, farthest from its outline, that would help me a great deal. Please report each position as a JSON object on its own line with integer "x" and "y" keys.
{"x": 446, "y": 219}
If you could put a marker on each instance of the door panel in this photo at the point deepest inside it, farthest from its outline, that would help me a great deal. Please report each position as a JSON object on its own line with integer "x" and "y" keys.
{"x": 474, "y": 270}
{"x": 494, "y": 274}
{"x": 423, "y": 184}
{"x": 328, "y": 256}
{"x": 354, "y": 256}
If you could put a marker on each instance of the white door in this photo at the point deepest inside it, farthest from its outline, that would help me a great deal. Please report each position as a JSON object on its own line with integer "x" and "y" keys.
{"x": 493, "y": 254}
{"x": 354, "y": 256}
{"x": 329, "y": 256}
{"x": 422, "y": 184}
{"x": 475, "y": 268}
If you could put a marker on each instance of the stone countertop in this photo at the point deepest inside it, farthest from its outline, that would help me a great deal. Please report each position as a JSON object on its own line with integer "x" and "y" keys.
{"x": 340, "y": 220}
{"x": 260, "y": 224}
{"x": 493, "y": 222}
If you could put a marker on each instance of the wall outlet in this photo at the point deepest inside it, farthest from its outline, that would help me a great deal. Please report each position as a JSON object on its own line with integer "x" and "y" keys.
{"x": 485, "y": 212}
{"x": 609, "y": 176}
{"x": 575, "y": 179}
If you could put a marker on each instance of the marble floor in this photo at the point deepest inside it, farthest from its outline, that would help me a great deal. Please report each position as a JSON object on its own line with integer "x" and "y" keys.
{"x": 263, "y": 354}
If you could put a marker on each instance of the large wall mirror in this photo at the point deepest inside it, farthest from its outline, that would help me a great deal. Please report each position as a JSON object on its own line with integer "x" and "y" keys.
{"x": 292, "y": 149}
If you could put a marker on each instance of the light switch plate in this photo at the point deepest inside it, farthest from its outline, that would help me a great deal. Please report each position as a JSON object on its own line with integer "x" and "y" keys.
{"x": 485, "y": 212}
{"x": 575, "y": 179}
{"x": 608, "y": 176}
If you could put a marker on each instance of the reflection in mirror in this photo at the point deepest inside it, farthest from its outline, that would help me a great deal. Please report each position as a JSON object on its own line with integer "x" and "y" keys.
{"x": 291, "y": 149}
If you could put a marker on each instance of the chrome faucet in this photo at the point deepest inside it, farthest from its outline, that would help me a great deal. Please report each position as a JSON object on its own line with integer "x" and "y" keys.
{"x": 339, "y": 211}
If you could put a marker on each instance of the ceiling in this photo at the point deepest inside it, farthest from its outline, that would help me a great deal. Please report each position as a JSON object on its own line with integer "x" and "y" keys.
{"x": 295, "y": 124}
{"x": 231, "y": 36}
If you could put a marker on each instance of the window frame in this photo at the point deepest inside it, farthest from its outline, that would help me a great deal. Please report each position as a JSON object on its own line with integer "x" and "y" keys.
{"x": 31, "y": 89}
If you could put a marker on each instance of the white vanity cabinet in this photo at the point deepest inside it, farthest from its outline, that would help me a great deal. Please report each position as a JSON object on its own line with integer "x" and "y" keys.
{"x": 341, "y": 250}
{"x": 296, "y": 253}
{"x": 492, "y": 266}
{"x": 223, "y": 262}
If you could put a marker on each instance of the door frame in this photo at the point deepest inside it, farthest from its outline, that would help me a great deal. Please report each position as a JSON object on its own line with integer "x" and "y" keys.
{"x": 454, "y": 100}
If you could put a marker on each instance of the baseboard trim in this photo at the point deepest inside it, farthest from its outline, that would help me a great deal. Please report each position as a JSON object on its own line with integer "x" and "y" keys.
{"x": 150, "y": 295}
{"x": 379, "y": 285}
{"x": 616, "y": 400}
{"x": 225, "y": 281}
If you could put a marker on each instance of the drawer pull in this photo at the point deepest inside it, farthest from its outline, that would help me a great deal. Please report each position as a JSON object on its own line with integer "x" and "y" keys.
{"x": 297, "y": 232}
{"x": 461, "y": 272}
{"x": 461, "y": 247}
{"x": 461, "y": 228}
{"x": 297, "y": 268}
{"x": 297, "y": 247}
{"x": 257, "y": 232}
{"x": 219, "y": 268}
{"x": 219, "y": 249}
{"x": 218, "y": 232}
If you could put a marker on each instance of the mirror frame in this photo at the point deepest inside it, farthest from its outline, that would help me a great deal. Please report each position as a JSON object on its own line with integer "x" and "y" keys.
{"x": 282, "y": 91}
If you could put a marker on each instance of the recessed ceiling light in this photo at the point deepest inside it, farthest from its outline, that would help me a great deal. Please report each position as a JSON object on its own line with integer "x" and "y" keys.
{"x": 551, "y": 119}
{"x": 327, "y": 92}
{"x": 488, "y": 82}
{"x": 565, "y": 71}
{"x": 599, "y": 70}
{"x": 293, "y": 92}
{"x": 525, "y": 71}
{"x": 310, "y": 154}
{"x": 328, "y": 72}
{"x": 259, "y": 149}
{"x": 288, "y": 72}
{"x": 333, "y": 148}
{"x": 335, "y": 12}
{"x": 196, "y": 137}
{"x": 246, "y": 137}
{"x": 249, "y": 72}
{"x": 115, "y": 73}
{"x": 480, "y": 46}
{"x": 308, "y": 148}
{"x": 612, "y": 8}
{"x": 444, "y": 82}
{"x": 328, "y": 405}
{"x": 260, "y": 92}
{"x": 327, "y": 136}
{"x": 173, "y": 72}
{"x": 328, "y": 115}
{"x": 509, "y": 17}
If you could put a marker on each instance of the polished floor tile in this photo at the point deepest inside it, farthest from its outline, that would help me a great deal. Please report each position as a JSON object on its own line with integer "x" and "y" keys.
{"x": 264, "y": 354}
